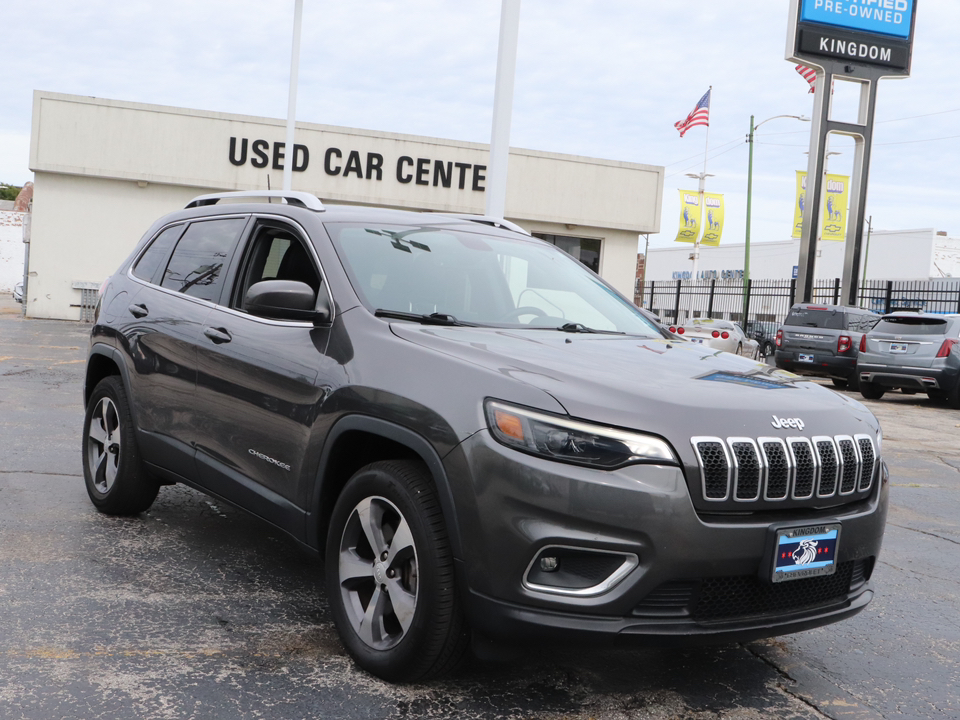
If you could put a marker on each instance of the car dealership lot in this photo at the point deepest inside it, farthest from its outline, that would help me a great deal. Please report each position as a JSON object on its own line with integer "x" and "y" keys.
{"x": 196, "y": 610}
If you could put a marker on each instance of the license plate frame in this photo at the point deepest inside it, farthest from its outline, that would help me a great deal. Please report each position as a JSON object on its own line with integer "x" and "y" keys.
{"x": 805, "y": 551}
{"x": 804, "y": 357}
{"x": 900, "y": 348}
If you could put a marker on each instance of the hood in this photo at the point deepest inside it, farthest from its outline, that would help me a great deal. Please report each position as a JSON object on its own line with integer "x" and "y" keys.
{"x": 668, "y": 387}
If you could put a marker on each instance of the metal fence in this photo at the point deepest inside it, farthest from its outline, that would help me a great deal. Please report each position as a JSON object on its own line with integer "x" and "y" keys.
{"x": 759, "y": 303}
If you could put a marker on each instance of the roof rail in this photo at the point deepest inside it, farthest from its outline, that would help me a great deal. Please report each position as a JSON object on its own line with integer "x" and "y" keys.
{"x": 487, "y": 220}
{"x": 296, "y": 198}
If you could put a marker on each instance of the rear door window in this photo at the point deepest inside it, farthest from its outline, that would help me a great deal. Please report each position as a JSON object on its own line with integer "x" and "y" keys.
{"x": 199, "y": 261}
{"x": 912, "y": 326}
{"x": 807, "y": 317}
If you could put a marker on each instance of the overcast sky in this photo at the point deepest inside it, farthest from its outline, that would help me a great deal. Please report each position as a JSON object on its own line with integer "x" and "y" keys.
{"x": 601, "y": 78}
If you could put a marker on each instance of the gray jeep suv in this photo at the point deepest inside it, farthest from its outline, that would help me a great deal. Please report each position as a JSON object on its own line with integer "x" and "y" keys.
{"x": 479, "y": 436}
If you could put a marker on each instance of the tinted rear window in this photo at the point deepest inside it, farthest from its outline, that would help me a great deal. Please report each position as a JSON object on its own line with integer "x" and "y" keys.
{"x": 804, "y": 317}
{"x": 196, "y": 266}
{"x": 912, "y": 326}
{"x": 149, "y": 262}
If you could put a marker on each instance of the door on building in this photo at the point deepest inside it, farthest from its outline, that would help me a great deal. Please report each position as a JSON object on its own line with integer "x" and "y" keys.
{"x": 586, "y": 250}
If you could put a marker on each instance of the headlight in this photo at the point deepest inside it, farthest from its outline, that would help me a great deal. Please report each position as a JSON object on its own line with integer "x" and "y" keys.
{"x": 571, "y": 441}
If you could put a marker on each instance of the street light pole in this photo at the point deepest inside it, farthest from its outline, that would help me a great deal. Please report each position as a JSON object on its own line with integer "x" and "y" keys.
{"x": 746, "y": 246}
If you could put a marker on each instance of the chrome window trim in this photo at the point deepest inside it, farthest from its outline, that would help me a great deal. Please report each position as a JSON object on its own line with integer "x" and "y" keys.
{"x": 836, "y": 454}
{"x": 761, "y": 441}
{"x": 863, "y": 468}
{"x": 859, "y": 462}
{"x": 761, "y": 468}
{"x": 703, "y": 475}
{"x": 630, "y": 561}
{"x": 816, "y": 467}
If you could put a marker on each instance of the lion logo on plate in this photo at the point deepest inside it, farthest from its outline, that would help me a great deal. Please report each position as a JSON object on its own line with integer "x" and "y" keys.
{"x": 806, "y": 553}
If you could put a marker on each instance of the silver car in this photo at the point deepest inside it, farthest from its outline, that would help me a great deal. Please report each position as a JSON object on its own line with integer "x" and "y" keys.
{"x": 913, "y": 352}
{"x": 719, "y": 335}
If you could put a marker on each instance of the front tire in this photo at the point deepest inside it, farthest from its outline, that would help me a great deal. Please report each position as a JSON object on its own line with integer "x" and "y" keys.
{"x": 116, "y": 480}
{"x": 390, "y": 575}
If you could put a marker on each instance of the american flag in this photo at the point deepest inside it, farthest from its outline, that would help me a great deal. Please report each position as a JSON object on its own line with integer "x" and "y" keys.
{"x": 699, "y": 116}
{"x": 808, "y": 74}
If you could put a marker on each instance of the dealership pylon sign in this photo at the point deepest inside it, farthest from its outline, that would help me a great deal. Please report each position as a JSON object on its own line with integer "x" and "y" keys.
{"x": 857, "y": 41}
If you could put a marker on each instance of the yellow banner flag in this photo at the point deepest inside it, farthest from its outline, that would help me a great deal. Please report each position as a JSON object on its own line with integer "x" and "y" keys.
{"x": 713, "y": 206}
{"x": 690, "y": 215}
{"x": 833, "y": 226}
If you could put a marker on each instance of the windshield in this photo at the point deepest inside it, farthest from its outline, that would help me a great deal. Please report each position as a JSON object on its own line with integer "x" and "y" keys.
{"x": 479, "y": 279}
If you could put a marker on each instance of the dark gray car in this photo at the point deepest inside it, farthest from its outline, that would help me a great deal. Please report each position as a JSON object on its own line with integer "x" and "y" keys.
{"x": 913, "y": 352}
{"x": 482, "y": 439}
{"x": 823, "y": 341}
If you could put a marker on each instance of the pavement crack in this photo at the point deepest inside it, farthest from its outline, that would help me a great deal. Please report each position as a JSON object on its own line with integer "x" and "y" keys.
{"x": 924, "y": 532}
{"x": 813, "y": 683}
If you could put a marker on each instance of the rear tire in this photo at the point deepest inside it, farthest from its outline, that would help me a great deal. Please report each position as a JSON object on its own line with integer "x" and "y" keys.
{"x": 839, "y": 383}
{"x": 116, "y": 479}
{"x": 871, "y": 391}
{"x": 390, "y": 575}
{"x": 954, "y": 396}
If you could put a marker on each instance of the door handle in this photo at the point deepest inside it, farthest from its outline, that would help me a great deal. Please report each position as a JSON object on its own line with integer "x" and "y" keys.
{"x": 138, "y": 311}
{"x": 218, "y": 335}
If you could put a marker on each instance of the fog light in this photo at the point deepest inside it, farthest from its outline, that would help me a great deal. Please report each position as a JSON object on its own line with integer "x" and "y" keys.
{"x": 549, "y": 564}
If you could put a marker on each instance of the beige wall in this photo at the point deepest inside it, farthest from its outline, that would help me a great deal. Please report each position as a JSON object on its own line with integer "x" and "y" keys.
{"x": 91, "y": 157}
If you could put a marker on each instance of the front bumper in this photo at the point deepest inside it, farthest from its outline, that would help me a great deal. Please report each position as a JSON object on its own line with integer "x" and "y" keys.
{"x": 524, "y": 504}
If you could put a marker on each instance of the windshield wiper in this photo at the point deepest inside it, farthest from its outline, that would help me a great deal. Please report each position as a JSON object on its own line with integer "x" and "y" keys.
{"x": 575, "y": 327}
{"x": 431, "y": 319}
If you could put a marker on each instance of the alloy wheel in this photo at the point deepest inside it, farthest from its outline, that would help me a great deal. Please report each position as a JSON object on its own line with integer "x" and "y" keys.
{"x": 103, "y": 445}
{"x": 378, "y": 573}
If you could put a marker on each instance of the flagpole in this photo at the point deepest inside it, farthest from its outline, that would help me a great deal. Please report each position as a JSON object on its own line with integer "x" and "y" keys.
{"x": 703, "y": 182}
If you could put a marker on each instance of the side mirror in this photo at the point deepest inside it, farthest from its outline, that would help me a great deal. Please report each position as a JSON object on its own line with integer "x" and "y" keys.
{"x": 286, "y": 300}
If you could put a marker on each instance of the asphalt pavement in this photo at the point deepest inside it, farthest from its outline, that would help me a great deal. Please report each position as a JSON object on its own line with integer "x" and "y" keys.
{"x": 196, "y": 610}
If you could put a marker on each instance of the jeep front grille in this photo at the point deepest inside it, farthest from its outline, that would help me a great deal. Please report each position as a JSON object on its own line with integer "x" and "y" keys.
{"x": 745, "y": 470}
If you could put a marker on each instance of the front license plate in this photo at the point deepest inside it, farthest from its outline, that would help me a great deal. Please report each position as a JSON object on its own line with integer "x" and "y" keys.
{"x": 805, "y": 358}
{"x": 898, "y": 347}
{"x": 806, "y": 552}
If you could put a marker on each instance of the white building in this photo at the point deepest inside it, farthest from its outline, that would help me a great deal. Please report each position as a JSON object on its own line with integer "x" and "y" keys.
{"x": 891, "y": 255}
{"x": 106, "y": 169}
{"x": 11, "y": 248}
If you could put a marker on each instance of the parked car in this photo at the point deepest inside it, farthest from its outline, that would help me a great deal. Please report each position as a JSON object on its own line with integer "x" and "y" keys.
{"x": 913, "y": 352}
{"x": 823, "y": 341}
{"x": 765, "y": 333}
{"x": 18, "y": 292}
{"x": 719, "y": 335}
{"x": 482, "y": 438}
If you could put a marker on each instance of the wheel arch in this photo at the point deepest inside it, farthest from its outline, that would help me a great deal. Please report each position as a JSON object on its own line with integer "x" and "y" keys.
{"x": 358, "y": 440}
{"x": 102, "y": 362}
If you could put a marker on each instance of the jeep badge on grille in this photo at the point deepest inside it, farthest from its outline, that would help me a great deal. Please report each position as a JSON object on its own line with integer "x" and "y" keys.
{"x": 783, "y": 423}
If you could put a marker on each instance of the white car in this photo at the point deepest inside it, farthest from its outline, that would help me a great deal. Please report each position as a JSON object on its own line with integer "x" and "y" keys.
{"x": 720, "y": 335}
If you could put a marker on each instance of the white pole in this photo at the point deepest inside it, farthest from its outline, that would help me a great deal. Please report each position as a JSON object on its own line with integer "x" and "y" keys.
{"x": 288, "y": 153}
{"x": 703, "y": 208}
{"x": 496, "y": 200}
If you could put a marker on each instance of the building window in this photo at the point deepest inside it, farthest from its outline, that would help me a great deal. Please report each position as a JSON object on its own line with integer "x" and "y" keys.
{"x": 586, "y": 250}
